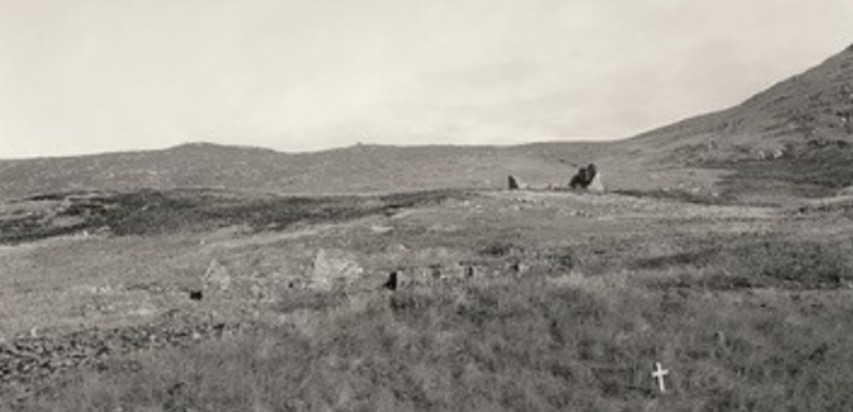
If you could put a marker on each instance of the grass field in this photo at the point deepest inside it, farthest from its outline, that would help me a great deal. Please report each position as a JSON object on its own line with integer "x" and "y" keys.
{"x": 516, "y": 301}
{"x": 508, "y": 346}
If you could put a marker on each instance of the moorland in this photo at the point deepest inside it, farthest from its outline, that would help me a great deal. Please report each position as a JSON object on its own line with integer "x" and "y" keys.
{"x": 213, "y": 278}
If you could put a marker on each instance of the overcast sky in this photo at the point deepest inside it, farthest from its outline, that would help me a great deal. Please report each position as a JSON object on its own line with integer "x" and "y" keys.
{"x": 83, "y": 76}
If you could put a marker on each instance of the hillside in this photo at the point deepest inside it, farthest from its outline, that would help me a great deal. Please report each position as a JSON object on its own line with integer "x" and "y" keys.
{"x": 433, "y": 301}
{"x": 790, "y": 141}
{"x": 357, "y": 169}
{"x": 804, "y": 112}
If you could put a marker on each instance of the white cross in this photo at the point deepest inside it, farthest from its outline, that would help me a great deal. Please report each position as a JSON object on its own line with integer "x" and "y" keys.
{"x": 658, "y": 374}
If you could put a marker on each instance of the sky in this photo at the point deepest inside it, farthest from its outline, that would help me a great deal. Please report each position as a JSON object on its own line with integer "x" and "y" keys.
{"x": 86, "y": 76}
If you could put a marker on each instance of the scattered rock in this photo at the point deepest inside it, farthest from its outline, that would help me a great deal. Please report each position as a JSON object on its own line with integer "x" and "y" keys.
{"x": 391, "y": 283}
{"x": 512, "y": 183}
{"x": 28, "y": 360}
{"x": 517, "y": 267}
{"x": 381, "y": 229}
{"x": 258, "y": 291}
{"x": 217, "y": 278}
{"x": 333, "y": 266}
{"x": 435, "y": 272}
{"x": 847, "y": 191}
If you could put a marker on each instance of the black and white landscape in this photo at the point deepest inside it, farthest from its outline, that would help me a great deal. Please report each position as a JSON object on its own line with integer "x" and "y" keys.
{"x": 705, "y": 265}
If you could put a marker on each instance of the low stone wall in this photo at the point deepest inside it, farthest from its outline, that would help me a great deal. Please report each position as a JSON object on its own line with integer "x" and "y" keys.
{"x": 25, "y": 361}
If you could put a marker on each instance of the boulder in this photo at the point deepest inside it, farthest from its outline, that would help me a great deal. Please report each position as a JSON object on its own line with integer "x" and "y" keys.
{"x": 217, "y": 278}
{"x": 597, "y": 183}
{"x": 334, "y": 266}
{"x": 587, "y": 178}
{"x": 392, "y": 282}
{"x": 512, "y": 183}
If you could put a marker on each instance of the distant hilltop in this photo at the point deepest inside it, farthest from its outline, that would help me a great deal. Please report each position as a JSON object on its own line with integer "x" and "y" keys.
{"x": 806, "y": 120}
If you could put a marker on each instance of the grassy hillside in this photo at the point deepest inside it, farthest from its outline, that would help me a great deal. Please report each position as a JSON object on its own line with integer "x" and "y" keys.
{"x": 792, "y": 140}
{"x": 813, "y": 108}
{"x": 524, "y": 300}
{"x": 528, "y": 347}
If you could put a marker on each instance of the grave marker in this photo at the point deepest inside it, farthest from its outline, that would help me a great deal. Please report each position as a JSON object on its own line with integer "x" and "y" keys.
{"x": 658, "y": 374}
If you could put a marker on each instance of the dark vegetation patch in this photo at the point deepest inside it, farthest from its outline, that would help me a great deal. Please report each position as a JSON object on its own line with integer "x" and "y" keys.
{"x": 311, "y": 300}
{"x": 712, "y": 281}
{"x": 842, "y": 206}
{"x": 798, "y": 264}
{"x": 820, "y": 170}
{"x": 150, "y": 212}
{"x": 563, "y": 258}
{"x": 681, "y": 195}
{"x": 741, "y": 264}
{"x": 693, "y": 258}
{"x": 60, "y": 196}
{"x": 499, "y": 248}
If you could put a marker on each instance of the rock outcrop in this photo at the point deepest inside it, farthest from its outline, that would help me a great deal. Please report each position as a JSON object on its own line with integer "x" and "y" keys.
{"x": 588, "y": 178}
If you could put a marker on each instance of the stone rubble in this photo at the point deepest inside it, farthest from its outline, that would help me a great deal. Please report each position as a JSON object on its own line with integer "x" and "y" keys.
{"x": 27, "y": 360}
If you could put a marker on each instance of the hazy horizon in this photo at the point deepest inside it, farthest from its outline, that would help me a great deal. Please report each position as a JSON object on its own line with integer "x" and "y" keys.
{"x": 89, "y": 76}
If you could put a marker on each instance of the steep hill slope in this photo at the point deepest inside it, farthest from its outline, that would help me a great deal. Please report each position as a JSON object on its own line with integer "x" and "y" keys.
{"x": 791, "y": 141}
{"x": 807, "y": 111}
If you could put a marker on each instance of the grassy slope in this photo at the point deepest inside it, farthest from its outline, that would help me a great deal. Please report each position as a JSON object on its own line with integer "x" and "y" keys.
{"x": 795, "y": 111}
{"x": 525, "y": 346}
{"x": 745, "y": 306}
{"x": 799, "y": 120}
